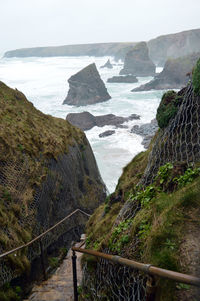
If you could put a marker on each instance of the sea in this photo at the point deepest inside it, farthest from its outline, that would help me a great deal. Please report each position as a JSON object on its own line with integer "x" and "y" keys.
{"x": 44, "y": 81}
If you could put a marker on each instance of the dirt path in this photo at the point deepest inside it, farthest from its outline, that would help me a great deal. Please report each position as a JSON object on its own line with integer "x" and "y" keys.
{"x": 60, "y": 286}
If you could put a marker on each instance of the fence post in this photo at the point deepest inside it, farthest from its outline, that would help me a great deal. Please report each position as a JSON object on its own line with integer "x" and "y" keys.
{"x": 151, "y": 289}
{"x": 42, "y": 260}
{"x": 74, "y": 275}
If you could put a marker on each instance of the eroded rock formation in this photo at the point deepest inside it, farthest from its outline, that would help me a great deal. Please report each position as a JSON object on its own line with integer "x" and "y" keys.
{"x": 86, "y": 120}
{"x": 86, "y": 87}
{"x": 107, "y": 65}
{"x": 175, "y": 74}
{"x": 137, "y": 61}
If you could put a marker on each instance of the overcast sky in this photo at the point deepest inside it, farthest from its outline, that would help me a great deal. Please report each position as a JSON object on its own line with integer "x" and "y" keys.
{"x": 29, "y": 23}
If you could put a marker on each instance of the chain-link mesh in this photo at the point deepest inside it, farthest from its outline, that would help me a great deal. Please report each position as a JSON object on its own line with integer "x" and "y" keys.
{"x": 37, "y": 210}
{"x": 113, "y": 282}
{"x": 180, "y": 141}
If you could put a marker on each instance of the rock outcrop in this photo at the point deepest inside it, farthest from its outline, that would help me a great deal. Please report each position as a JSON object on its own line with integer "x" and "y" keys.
{"x": 106, "y": 133}
{"x": 175, "y": 74}
{"x": 174, "y": 46}
{"x": 86, "y": 87}
{"x": 137, "y": 62}
{"x": 47, "y": 170}
{"x": 107, "y": 65}
{"x": 123, "y": 79}
{"x": 146, "y": 130}
{"x": 85, "y": 120}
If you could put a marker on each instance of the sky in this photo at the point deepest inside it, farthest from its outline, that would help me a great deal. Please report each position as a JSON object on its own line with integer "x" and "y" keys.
{"x": 31, "y": 23}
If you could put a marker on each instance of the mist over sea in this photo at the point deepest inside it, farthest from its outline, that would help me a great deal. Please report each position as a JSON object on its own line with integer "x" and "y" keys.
{"x": 44, "y": 82}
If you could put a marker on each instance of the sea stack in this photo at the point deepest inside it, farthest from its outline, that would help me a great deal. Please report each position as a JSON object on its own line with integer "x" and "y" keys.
{"x": 107, "y": 65}
{"x": 137, "y": 61}
{"x": 86, "y": 87}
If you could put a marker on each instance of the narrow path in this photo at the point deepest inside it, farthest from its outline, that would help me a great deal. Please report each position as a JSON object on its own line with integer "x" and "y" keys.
{"x": 59, "y": 287}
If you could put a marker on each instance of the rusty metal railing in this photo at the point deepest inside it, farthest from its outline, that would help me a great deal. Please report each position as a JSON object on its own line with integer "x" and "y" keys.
{"x": 146, "y": 268}
{"x": 39, "y": 237}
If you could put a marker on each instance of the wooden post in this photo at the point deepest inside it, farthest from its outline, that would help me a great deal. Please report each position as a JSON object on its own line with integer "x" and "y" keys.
{"x": 74, "y": 275}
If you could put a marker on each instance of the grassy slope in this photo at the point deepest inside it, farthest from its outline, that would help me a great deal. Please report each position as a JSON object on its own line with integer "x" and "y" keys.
{"x": 28, "y": 138}
{"x": 159, "y": 231}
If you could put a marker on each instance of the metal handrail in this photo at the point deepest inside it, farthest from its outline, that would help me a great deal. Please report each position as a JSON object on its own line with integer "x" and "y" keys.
{"x": 42, "y": 234}
{"x": 147, "y": 268}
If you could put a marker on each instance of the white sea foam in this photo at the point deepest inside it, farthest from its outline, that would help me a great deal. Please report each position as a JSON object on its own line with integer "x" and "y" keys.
{"x": 44, "y": 82}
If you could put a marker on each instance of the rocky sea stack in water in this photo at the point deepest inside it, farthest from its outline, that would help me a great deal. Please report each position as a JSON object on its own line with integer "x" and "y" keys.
{"x": 137, "y": 61}
{"x": 86, "y": 87}
{"x": 107, "y": 65}
{"x": 174, "y": 75}
{"x": 85, "y": 120}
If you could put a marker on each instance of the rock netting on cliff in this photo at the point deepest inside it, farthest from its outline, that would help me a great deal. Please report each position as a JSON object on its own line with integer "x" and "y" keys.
{"x": 137, "y": 61}
{"x": 47, "y": 170}
{"x": 86, "y": 87}
{"x": 178, "y": 140}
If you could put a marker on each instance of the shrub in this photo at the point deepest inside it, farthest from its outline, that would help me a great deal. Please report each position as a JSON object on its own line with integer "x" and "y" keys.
{"x": 196, "y": 78}
{"x": 167, "y": 109}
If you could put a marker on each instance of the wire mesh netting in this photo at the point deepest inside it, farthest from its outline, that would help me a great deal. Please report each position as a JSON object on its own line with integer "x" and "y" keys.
{"x": 180, "y": 141}
{"x": 31, "y": 211}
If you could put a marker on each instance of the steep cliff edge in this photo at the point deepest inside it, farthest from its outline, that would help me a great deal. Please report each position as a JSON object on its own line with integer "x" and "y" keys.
{"x": 47, "y": 170}
{"x": 174, "y": 45}
{"x": 153, "y": 216}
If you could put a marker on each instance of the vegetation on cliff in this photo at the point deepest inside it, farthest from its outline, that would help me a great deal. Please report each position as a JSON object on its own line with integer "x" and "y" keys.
{"x": 155, "y": 219}
{"x": 47, "y": 170}
{"x": 196, "y": 78}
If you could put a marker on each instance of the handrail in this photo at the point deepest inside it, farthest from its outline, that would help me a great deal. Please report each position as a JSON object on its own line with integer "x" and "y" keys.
{"x": 42, "y": 234}
{"x": 147, "y": 268}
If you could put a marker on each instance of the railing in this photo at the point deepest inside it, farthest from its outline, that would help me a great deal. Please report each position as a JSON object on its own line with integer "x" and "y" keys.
{"x": 146, "y": 268}
{"x": 39, "y": 237}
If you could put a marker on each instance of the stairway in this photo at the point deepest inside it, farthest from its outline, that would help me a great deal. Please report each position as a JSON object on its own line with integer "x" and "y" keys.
{"x": 59, "y": 287}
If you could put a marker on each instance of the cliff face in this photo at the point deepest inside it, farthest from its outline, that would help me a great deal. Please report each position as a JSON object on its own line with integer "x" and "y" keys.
{"x": 86, "y": 87}
{"x": 137, "y": 62}
{"x": 174, "y": 75}
{"x": 174, "y": 46}
{"x": 118, "y": 50}
{"x": 47, "y": 170}
{"x": 154, "y": 222}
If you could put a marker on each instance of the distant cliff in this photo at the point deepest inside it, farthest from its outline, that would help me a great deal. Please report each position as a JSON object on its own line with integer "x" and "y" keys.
{"x": 47, "y": 170}
{"x": 118, "y": 50}
{"x": 174, "y": 45}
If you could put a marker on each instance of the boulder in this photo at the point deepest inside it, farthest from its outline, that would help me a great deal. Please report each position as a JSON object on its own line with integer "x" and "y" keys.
{"x": 175, "y": 74}
{"x": 107, "y": 65}
{"x": 137, "y": 61}
{"x": 147, "y": 131}
{"x": 86, "y": 87}
{"x": 106, "y": 133}
{"x": 86, "y": 120}
{"x": 123, "y": 79}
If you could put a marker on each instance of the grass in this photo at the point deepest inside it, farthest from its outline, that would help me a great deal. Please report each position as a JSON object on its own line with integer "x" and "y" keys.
{"x": 28, "y": 140}
{"x": 160, "y": 227}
